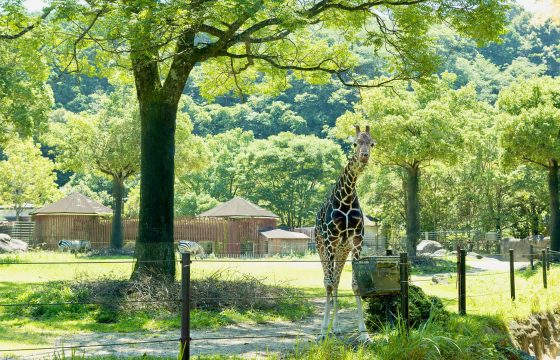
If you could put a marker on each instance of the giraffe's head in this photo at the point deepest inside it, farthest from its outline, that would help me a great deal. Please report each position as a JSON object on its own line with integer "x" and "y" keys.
{"x": 363, "y": 142}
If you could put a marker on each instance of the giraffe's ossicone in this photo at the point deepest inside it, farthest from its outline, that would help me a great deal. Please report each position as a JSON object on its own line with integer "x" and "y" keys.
{"x": 339, "y": 231}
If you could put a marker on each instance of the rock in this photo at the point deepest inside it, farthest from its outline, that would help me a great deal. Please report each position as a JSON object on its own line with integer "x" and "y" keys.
{"x": 12, "y": 245}
{"x": 473, "y": 254}
{"x": 535, "y": 238}
{"x": 510, "y": 239}
{"x": 440, "y": 279}
{"x": 5, "y": 238}
{"x": 428, "y": 247}
{"x": 440, "y": 252}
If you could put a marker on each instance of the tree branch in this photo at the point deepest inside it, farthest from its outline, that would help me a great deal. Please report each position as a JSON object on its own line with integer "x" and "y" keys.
{"x": 27, "y": 29}
{"x": 270, "y": 59}
{"x": 534, "y": 162}
{"x": 326, "y": 4}
{"x": 245, "y": 35}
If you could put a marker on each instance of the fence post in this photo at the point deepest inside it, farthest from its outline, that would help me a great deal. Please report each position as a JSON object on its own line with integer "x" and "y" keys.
{"x": 531, "y": 259}
{"x": 389, "y": 252}
{"x": 547, "y": 258}
{"x": 185, "y": 352}
{"x": 511, "y": 274}
{"x": 462, "y": 282}
{"x": 544, "y": 265}
{"x": 404, "y": 289}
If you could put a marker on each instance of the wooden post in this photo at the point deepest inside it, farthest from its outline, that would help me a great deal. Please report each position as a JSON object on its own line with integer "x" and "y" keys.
{"x": 511, "y": 274}
{"x": 404, "y": 289}
{"x": 547, "y": 258}
{"x": 531, "y": 257}
{"x": 389, "y": 252}
{"x": 544, "y": 265}
{"x": 462, "y": 282}
{"x": 185, "y": 306}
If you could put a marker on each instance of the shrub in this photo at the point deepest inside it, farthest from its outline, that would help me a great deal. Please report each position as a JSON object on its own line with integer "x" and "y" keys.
{"x": 385, "y": 309}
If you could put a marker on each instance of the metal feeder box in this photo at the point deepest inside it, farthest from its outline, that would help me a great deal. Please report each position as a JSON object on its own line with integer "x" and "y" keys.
{"x": 377, "y": 275}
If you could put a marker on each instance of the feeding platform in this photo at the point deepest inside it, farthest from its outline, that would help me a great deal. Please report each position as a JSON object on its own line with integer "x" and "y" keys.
{"x": 377, "y": 275}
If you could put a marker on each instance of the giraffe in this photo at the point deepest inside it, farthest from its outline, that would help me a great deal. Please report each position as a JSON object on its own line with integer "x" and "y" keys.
{"x": 339, "y": 230}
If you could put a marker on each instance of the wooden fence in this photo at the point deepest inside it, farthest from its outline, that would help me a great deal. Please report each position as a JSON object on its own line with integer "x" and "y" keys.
{"x": 220, "y": 236}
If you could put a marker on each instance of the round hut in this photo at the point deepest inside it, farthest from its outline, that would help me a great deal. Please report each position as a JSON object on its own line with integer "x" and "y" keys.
{"x": 76, "y": 217}
{"x": 245, "y": 221}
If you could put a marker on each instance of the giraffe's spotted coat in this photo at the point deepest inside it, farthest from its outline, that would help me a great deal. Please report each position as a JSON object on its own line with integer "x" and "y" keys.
{"x": 339, "y": 227}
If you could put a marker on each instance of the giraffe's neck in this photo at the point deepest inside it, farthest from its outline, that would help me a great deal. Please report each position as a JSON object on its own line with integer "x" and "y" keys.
{"x": 345, "y": 189}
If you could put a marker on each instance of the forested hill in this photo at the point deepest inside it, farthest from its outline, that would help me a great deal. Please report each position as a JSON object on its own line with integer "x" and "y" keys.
{"x": 528, "y": 48}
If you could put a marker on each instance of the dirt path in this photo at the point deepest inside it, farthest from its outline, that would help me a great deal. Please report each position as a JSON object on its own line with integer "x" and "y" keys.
{"x": 304, "y": 334}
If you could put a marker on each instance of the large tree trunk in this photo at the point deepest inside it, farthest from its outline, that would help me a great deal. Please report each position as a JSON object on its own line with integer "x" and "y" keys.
{"x": 154, "y": 248}
{"x": 412, "y": 209}
{"x": 554, "y": 205}
{"x": 116, "y": 225}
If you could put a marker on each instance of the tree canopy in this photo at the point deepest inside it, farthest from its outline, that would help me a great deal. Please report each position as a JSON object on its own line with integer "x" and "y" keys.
{"x": 27, "y": 177}
{"x": 531, "y": 133}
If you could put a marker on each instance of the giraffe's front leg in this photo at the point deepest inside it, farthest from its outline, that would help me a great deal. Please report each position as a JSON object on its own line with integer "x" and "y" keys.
{"x": 341, "y": 258}
{"x": 327, "y": 262}
{"x": 364, "y": 336}
{"x": 327, "y": 314}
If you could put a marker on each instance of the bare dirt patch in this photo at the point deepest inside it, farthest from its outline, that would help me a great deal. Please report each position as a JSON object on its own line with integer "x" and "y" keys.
{"x": 254, "y": 341}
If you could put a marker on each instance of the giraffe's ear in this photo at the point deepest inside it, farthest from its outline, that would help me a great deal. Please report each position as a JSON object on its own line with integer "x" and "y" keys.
{"x": 367, "y": 129}
{"x": 357, "y": 130}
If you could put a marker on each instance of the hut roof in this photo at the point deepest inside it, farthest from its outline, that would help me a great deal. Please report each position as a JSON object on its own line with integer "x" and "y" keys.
{"x": 240, "y": 208}
{"x": 368, "y": 221}
{"x": 283, "y": 234}
{"x": 74, "y": 204}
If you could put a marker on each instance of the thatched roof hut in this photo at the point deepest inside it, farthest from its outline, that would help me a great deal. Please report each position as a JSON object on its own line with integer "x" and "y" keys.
{"x": 76, "y": 217}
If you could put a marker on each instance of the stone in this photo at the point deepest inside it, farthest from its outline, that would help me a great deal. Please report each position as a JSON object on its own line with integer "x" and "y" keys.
{"x": 440, "y": 252}
{"x": 428, "y": 247}
{"x": 12, "y": 245}
{"x": 5, "y": 238}
{"x": 473, "y": 254}
{"x": 440, "y": 279}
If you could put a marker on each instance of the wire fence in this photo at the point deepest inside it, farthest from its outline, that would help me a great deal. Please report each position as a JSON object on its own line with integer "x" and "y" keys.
{"x": 186, "y": 300}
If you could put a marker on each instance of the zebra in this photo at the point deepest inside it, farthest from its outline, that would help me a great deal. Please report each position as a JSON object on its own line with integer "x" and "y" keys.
{"x": 192, "y": 247}
{"x": 74, "y": 245}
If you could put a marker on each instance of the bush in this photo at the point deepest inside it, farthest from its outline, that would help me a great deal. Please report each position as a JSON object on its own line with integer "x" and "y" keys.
{"x": 385, "y": 309}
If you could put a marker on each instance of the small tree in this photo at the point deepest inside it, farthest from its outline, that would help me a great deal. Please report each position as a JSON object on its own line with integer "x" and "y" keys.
{"x": 27, "y": 177}
{"x": 290, "y": 174}
{"x": 531, "y": 134}
{"x": 105, "y": 141}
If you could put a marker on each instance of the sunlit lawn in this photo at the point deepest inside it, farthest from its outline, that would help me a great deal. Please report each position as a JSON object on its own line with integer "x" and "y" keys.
{"x": 490, "y": 292}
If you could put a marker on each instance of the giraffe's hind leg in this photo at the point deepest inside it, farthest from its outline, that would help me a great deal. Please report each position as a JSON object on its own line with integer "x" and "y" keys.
{"x": 356, "y": 249}
{"x": 328, "y": 267}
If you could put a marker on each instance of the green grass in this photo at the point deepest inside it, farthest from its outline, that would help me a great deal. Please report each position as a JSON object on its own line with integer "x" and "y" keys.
{"x": 482, "y": 332}
{"x": 22, "y": 283}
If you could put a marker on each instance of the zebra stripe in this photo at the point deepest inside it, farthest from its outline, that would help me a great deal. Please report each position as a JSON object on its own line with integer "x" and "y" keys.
{"x": 194, "y": 248}
{"x": 74, "y": 245}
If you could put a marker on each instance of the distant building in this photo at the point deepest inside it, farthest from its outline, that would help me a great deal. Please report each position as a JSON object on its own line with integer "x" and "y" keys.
{"x": 76, "y": 217}
{"x": 245, "y": 220}
{"x": 283, "y": 242}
